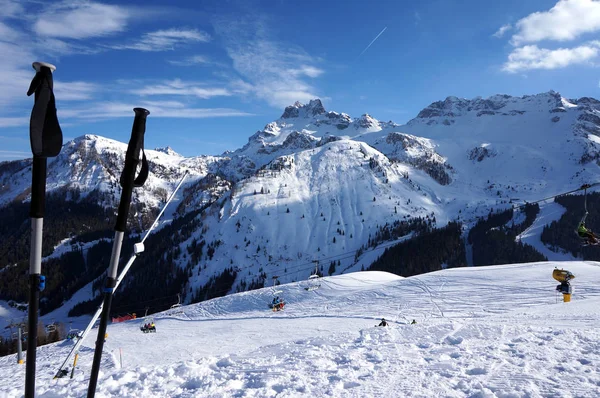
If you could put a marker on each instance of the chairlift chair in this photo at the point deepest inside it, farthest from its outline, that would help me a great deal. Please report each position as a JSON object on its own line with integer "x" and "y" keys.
{"x": 586, "y": 241}
{"x": 274, "y": 290}
{"x": 147, "y": 326}
{"x": 74, "y": 334}
{"x": 278, "y": 303}
{"x": 176, "y": 308}
{"x": 314, "y": 279}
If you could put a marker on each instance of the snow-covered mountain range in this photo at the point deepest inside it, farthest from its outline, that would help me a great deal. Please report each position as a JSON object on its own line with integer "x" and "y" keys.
{"x": 318, "y": 185}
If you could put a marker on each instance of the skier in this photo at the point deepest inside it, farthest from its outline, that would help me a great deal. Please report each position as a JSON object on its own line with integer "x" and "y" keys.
{"x": 413, "y": 322}
{"x": 383, "y": 322}
{"x": 584, "y": 233}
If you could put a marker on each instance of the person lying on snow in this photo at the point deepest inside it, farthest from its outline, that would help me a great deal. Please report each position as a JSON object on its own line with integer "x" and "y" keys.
{"x": 584, "y": 233}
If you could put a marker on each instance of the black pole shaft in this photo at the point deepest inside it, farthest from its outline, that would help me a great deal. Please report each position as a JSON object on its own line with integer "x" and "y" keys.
{"x": 132, "y": 158}
{"x": 100, "y": 339}
{"x": 38, "y": 203}
{"x": 34, "y": 298}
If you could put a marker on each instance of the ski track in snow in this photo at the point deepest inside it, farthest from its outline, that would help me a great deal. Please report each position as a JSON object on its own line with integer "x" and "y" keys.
{"x": 481, "y": 332}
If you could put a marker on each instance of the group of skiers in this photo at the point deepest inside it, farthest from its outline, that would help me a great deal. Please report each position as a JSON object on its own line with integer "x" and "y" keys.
{"x": 277, "y": 304}
{"x": 148, "y": 327}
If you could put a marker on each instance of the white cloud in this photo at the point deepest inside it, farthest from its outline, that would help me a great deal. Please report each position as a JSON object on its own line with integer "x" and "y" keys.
{"x": 15, "y": 74}
{"x": 184, "y": 88}
{"x": 56, "y": 47}
{"x": 163, "y": 40}
{"x": 533, "y": 57}
{"x": 307, "y": 70}
{"x": 567, "y": 20}
{"x": 80, "y": 20}
{"x": 503, "y": 29}
{"x": 14, "y": 154}
{"x": 109, "y": 110}
{"x": 273, "y": 71}
{"x": 13, "y": 121}
{"x": 75, "y": 91}
{"x": 11, "y": 9}
{"x": 168, "y": 104}
{"x": 189, "y": 61}
{"x": 8, "y": 34}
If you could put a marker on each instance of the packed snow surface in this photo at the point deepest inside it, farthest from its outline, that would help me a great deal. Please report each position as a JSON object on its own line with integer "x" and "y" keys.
{"x": 498, "y": 331}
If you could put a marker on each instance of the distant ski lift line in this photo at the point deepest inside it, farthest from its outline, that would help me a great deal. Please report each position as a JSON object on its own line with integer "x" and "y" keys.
{"x": 90, "y": 325}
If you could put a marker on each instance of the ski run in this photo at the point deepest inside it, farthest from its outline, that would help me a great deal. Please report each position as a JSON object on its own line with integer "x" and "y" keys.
{"x": 496, "y": 331}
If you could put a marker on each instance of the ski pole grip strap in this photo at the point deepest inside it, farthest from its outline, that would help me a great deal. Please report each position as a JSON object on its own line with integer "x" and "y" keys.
{"x": 133, "y": 156}
{"x": 44, "y": 130}
{"x": 38, "y": 187}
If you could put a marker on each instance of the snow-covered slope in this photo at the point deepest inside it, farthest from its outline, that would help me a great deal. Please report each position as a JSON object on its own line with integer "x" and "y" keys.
{"x": 487, "y": 332}
{"x": 318, "y": 185}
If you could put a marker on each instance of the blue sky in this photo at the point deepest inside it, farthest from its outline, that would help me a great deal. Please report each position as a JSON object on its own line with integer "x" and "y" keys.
{"x": 214, "y": 72}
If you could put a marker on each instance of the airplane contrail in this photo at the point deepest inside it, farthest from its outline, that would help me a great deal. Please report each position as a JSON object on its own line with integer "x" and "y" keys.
{"x": 373, "y": 41}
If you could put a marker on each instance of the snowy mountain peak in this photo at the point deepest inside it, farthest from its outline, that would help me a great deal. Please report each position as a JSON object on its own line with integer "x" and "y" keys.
{"x": 168, "y": 150}
{"x": 500, "y": 103}
{"x": 366, "y": 121}
{"x": 313, "y": 108}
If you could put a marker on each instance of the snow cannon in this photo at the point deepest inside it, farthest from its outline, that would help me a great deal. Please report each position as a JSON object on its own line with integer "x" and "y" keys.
{"x": 564, "y": 277}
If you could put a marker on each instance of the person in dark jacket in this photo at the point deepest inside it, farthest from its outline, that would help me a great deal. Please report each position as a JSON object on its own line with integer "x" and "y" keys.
{"x": 383, "y": 322}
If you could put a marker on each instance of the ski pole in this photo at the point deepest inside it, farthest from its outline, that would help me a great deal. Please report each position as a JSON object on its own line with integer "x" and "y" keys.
{"x": 128, "y": 181}
{"x": 138, "y": 249}
{"x": 74, "y": 364}
{"x": 46, "y": 141}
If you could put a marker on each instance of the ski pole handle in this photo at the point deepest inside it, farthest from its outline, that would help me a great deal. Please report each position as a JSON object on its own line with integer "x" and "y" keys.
{"x": 132, "y": 159}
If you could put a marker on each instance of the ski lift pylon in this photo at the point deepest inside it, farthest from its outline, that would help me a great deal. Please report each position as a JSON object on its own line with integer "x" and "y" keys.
{"x": 178, "y": 302}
